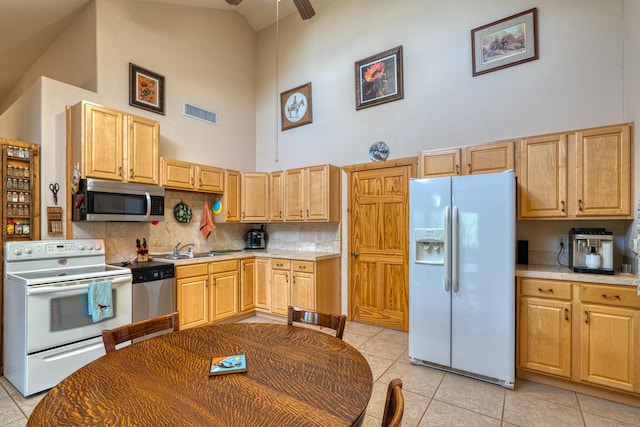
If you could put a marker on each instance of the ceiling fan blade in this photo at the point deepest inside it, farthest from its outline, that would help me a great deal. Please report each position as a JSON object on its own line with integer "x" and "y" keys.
{"x": 304, "y": 8}
{"x": 234, "y": 2}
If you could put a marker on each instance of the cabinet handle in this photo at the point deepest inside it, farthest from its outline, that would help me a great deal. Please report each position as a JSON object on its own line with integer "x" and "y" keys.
{"x": 215, "y": 282}
{"x": 457, "y": 169}
{"x": 228, "y": 214}
{"x": 242, "y": 214}
{"x": 293, "y": 279}
{"x": 191, "y": 181}
{"x": 469, "y": 168}
{"x": 307, "y": 212}
{"x": 200, "y": 182}
{"x": 355, "y": 254}
{"x": 566, "y": 314}
{"x": 300, "y": 213}
{"x": 206, "y": 283}
{"x": 545, "y": 291}
{"x": 563, "y": 207}
{"x": 130, "y": 173}
{"x": 580, "y": 205}
{"x": 287, "y": 277}
{"x": 119, "y": 170}
{"x": 586, "y": 317}
{"x": 616, "y": 297}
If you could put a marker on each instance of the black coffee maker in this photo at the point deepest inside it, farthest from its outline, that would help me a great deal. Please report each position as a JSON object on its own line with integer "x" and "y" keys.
{"x": 255, "y": 238}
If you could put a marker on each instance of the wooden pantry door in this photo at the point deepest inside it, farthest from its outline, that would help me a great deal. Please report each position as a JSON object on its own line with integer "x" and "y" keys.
{"x": 378, "y": 224}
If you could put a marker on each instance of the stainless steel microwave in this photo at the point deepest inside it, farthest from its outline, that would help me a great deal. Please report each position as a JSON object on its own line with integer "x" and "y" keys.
{"x": 102, "y": 200}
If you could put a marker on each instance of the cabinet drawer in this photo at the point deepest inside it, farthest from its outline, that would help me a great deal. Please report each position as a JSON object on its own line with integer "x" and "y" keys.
{"x": 280, "y": 264}
{"x": 191, "y": 270}
{"x": 545, "y": 288}
{"x": 623, "y": 296}
{"x": 220, "y": 266}
{"x": 305, "y": 266}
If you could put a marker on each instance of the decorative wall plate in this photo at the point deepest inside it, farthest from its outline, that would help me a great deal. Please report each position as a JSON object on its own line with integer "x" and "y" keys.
{"x": 182, "y": 212}
{"x": 379, "y": 151}
{"x": 217, "y": 207}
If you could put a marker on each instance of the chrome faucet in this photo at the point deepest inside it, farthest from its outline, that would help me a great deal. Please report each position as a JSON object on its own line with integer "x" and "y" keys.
{"x": 178, "y": 248}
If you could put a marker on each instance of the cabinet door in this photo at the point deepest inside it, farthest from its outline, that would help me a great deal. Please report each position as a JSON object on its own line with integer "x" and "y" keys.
{"x": 603, "y": 172}
{"x": 276, "y": 195}
{"x": 279, "y": 291}
{"x": 255, "y": 197}
{"x": 192, "y": 301}
{"x": 263, "y": 290}
{"x": 545, "y": 336}
{"x": 223, "y": 293}
{"x": 176, "y": 174}
{"x": 542, "y": 177}
{"x": 103, "y": 143}
{"x": 317, "y": 193}
{"x": 435, "y": 163}
{"x": 230, "y": 199}
{"x": 609, "y": 341}
{"x": 294, "y": 195}
{"x": 142, "y": 162}
{"x": 488, "y": 158}
{"x": 303, "y": 290}
{"x": 209, "y": 179}
{"x": 248, "y": 285}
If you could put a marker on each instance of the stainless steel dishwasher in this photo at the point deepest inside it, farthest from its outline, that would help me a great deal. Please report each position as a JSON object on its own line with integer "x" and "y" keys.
{"x": 154, "y": 290}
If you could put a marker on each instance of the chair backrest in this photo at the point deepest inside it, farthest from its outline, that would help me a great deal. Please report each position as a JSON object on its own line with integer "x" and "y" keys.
{"x": 112, "y": 337}
{"x": 312, "y": 317}
{"x": 394, "y": 406}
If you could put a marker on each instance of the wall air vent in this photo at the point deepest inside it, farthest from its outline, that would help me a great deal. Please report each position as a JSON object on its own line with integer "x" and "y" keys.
{"x": 199, "y": 113}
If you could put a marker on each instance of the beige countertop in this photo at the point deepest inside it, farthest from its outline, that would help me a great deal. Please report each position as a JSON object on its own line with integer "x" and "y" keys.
{"x": 565, "y": 273}
{"x": 294, "y": 255}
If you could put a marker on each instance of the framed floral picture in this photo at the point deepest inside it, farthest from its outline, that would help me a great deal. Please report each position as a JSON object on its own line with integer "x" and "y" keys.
{"x": 505, "y": 43}
{"x": 295, "y": 107}
{"x": 379, "y": 78}
{"x": 146, "y": 89}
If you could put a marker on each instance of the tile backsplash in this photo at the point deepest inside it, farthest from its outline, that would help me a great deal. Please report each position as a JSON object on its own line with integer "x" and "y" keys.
{"x": 120, "y": 237}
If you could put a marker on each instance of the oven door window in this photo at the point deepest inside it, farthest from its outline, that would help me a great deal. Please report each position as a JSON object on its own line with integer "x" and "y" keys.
{"x": 57, "y": 314}
{"x": 71, "y": 312}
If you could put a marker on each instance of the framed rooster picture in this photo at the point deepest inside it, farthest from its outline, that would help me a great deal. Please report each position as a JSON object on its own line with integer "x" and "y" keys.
{"x": 505, "y": 43}
{"x": 146, "y": 89}
{"x": 379, "y": 78}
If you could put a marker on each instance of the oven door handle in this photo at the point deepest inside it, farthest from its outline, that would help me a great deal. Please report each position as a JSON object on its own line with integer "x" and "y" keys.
{"x": 54, "y": 289}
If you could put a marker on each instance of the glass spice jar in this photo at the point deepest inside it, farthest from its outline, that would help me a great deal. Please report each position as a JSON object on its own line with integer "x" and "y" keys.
{"x": 26, "y": 153}
{"x": 18, "y": 228}
{"x": 26, "y": 229}
{"x": 11, "y": 227}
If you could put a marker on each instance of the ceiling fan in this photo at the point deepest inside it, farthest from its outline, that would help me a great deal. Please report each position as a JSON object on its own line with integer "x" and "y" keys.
{"x": 304, "y": 7}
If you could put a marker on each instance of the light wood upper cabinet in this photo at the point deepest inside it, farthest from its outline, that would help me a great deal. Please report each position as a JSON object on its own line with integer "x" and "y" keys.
{"x": 276, "y": 196}
{"x": 181, "y": 175}
{"x": 230, "y": 199}
{"x": 542, "y": 176}
{"x": 109, "y": 144}
{"x": 312, "y": 194}
{"x": 254, "y": 194}
{"x": 177, "y": 174}
{"x": 467, "y": 160}
{"x": 602, "y": 184}
{"x": 581, "y": 174}
{"x": 437, "y": 163}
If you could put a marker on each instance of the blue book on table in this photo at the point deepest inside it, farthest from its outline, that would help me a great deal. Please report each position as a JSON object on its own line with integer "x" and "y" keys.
{"x": 228, "y": 364}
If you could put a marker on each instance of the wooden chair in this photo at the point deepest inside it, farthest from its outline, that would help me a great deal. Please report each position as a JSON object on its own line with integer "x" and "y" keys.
{"x": 394, "y": 406}
{"x": 112, "y": 337}
{"x": 311, "y": 317}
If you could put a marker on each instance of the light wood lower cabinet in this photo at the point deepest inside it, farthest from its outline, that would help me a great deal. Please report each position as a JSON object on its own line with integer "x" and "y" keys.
{"x": 248, "y": 289}
{"x": 192, "y": 294}
{"x": 583, "y": 332}
{"x": 224, "y": 291}
{"x": 263, "y": 290}
{"x": 280, "y": 277}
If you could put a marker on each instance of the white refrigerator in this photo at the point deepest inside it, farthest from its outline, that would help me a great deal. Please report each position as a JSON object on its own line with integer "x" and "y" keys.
{"x": 462, "y": 275}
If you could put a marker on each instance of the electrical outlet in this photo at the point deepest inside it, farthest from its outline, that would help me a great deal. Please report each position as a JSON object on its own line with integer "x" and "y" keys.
{"x": 563, "y": 242}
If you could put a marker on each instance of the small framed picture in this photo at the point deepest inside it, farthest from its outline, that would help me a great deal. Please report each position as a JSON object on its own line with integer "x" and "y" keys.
{"x": 295, "y": 107}
{"x": 379, "y": 78}
{"x": 505, "y": 43}
{"x": 146, "y": 89}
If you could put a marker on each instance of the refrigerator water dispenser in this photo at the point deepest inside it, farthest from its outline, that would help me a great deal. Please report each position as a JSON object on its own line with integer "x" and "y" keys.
{"x": 429, "y": 245}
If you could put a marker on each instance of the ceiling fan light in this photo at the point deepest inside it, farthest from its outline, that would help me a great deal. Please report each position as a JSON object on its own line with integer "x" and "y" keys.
{"x": 304, "y": 8}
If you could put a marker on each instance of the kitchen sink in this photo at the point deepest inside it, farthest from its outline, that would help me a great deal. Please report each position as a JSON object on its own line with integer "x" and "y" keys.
{"x": 197, "y": 254}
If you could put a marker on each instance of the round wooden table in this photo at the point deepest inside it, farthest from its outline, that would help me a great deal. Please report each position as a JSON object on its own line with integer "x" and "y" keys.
{"x": 295, "y": 377}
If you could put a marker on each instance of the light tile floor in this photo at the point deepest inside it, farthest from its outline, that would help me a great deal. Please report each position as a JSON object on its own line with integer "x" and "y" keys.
{"x": 432, "y": 397}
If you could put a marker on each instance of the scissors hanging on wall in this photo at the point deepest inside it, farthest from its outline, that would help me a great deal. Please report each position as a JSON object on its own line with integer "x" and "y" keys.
{"x": 54, "y": 189}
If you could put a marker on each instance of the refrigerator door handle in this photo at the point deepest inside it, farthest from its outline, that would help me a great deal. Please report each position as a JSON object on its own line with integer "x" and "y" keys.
{"x": 447, "y": 247}
{"x": 455, "y": 240}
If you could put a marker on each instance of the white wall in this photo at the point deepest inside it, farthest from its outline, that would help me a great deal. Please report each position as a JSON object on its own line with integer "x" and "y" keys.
{"x": 577, "y": 82}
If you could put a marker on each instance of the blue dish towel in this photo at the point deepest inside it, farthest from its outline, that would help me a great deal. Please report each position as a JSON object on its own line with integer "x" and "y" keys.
{"x": 100, "y": 304}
